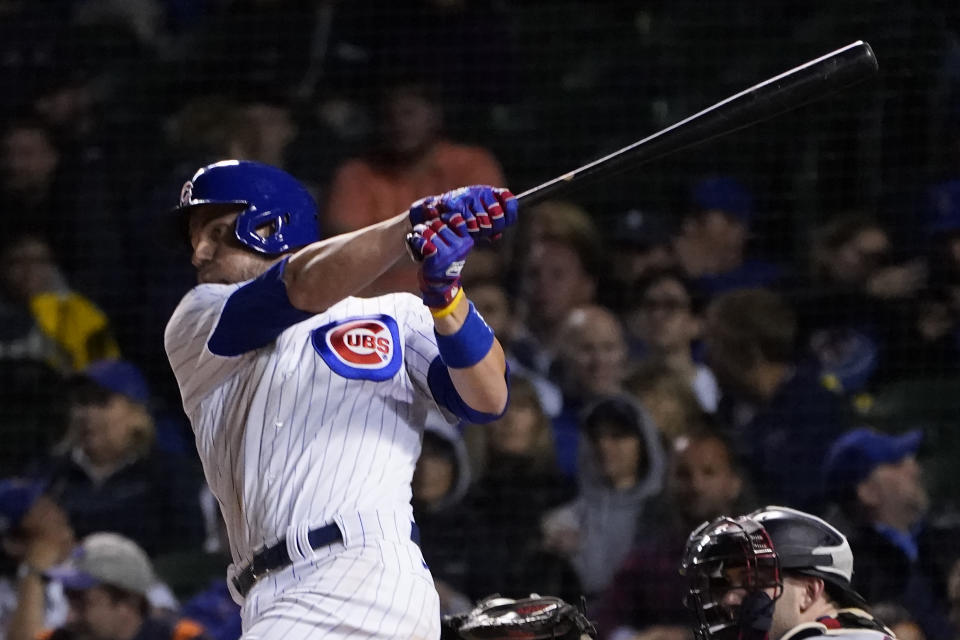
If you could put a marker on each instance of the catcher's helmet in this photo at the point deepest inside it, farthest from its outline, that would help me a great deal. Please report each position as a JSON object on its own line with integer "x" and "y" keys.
{"x": 271, "y": 198}
{"x": 811, "y": 546}
{"x": 721, "y": 556}
{"x": 752, "y": 553}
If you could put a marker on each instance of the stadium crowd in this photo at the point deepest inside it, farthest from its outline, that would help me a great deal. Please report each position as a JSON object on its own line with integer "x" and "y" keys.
{"x": 770, "y": 320}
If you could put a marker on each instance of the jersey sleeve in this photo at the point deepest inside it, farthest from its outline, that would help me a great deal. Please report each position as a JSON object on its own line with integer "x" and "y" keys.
{"x": 216, "y": 327}
{"x": 420, "y": 349}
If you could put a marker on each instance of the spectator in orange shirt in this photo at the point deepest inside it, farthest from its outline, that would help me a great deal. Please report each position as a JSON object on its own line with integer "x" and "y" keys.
{"x": 411, "y": 160}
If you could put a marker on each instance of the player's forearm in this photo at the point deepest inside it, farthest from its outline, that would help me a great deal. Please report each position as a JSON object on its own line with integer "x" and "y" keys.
{"x": 323, "y": 273}
{"x": 482, "y": 386}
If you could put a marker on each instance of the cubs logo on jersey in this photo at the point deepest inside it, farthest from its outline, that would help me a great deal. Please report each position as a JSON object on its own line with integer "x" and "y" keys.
{"x": 362, "y": 348}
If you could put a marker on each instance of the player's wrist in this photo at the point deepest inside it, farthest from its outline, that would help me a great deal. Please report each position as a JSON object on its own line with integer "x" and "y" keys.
{"x": 451, "y": 301}
{"x": 466, "y": 339}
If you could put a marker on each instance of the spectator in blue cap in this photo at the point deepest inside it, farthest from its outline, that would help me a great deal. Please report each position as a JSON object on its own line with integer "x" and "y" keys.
{"x": 34, "y": 536}
{"x": 712, "y": 241}
{"x": 108, "y": 474}
{"x": 902, "y": 552}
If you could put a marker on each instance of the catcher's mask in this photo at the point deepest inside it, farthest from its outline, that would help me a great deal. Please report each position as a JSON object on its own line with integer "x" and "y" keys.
{"x": 726, "y": 561}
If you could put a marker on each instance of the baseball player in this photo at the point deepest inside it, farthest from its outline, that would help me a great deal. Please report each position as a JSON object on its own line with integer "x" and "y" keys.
{"x": 774, "y": 574}
{"x": 308, "y": 404}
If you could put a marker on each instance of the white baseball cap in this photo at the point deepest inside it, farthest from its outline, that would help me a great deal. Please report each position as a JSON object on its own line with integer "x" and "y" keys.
{"x": 106, "y": 559}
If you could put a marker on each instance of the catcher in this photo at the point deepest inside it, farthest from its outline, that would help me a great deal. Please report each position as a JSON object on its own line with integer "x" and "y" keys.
{"x": 533, "y": 618}
{"x": 774, "y": 574}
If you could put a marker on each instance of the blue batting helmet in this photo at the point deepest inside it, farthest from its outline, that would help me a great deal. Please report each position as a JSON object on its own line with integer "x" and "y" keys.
{"x": 272, "y": 197}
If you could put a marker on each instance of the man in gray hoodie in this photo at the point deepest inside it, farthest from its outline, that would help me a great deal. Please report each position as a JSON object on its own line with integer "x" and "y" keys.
{"x": 623, "y": 466}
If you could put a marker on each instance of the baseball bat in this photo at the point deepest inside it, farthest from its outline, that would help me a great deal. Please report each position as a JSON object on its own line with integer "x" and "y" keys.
{"x": 779, "y": 94}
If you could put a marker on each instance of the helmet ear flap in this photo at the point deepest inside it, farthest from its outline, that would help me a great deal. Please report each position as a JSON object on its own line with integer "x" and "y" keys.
{"x": 251, "y": 225}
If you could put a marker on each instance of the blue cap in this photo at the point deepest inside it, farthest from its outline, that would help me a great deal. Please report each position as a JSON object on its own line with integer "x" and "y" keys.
{"x": 723, "y": 194}
{"x": 119, "y": 376}
{"x": 17, "y": 496}
{"x": 854, "y": 456}
{"x": 941, "y": 211}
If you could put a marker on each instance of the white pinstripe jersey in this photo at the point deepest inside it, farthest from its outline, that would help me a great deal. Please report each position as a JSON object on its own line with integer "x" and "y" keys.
{"x": 296, "y": 432}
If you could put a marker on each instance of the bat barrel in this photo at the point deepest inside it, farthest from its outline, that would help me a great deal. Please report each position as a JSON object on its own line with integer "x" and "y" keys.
{"x": 779, "y": 94}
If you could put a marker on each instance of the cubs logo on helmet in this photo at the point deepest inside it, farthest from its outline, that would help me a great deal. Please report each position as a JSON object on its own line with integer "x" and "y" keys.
{"x": 362, "y": 348}
{"x": 186, "y": 193}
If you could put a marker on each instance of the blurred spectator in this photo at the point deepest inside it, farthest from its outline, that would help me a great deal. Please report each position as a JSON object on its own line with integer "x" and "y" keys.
{"x": 591, "y": 362}
{"x": 902, "y": 552}
{"x": 931, "y": 337}
{"x": 30, "y": 161}
{"x": 897, "y": 619}
{"x": 854, "y": 252}
{"x": 108, "y": 474}
{"x": 941, "y": 214}
{"x": 711, "y": 244}
{"x": 641, "y": 244}
{"x": 440, "y": 481}
{"x": 43, "y": 198}
{"x": 142, "y": 18}
{"x": 28, "y": 32}
{"x": 558, "y": 257}
{"x": 412, "y": 160}
{"x": 34, "y": 412}
{"x": 214, "y": 609}
{"x": 264, "y": 130}
{"x": 517, "y": 481}
{"x": 665, "y": 319}
{"x": 108, "y": 580}
{"x": 781, "y": 415}
{"x": 493, "y": 302}
{"x": 624, "y": 470}
{"x": 645, "y": 598}
{"x": 855, "y": 312}
{"x": 953, "y": 593}
{"x": 53, "y": 324}
{"x": 667, "y": 396}
{"x": 34, "y": 536}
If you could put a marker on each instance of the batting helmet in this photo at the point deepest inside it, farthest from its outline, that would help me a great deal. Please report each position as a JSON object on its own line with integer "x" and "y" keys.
{"x": 271, "y": 198}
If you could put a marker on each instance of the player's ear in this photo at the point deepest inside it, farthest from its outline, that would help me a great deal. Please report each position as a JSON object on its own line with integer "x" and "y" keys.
{"x": 813, "y": 589}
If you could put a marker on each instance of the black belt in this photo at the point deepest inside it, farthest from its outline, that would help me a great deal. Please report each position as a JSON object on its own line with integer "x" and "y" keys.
{"x": 276, "y": 557}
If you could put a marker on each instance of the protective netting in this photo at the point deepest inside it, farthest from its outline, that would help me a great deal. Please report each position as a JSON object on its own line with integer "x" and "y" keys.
{"x": 775, "y": 288}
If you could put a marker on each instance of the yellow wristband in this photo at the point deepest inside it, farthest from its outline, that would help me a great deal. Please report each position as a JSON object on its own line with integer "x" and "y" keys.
{"x": 447, "y": 310}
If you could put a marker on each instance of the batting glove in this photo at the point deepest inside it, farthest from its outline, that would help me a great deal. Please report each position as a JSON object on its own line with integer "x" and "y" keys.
{"x": 441, "y": 248}
{"x": 487, "y": 211}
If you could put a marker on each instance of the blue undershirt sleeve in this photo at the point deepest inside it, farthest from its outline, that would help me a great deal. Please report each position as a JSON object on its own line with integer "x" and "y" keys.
{"x": 255, "y": 314}
{"x": 446, "y": 395}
